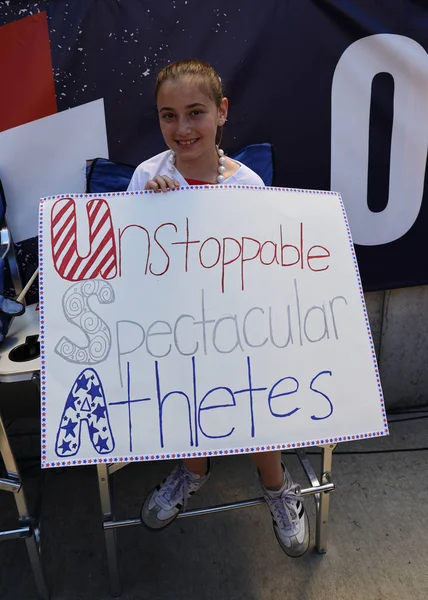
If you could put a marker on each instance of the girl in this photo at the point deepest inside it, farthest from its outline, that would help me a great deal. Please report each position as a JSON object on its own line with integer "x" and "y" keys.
{"x": 192, "y": 111}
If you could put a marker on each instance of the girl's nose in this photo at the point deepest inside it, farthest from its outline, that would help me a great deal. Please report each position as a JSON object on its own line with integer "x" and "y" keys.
{"x": 183, "y": 126}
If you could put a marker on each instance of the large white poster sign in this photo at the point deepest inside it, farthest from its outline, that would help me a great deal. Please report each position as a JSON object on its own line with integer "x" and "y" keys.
{"x": 203, "y": 321}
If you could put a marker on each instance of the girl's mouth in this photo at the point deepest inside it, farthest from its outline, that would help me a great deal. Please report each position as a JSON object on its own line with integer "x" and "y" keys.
{"x": 186, "y": 142}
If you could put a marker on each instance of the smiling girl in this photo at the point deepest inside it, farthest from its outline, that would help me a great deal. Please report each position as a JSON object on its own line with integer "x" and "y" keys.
{"x": 192, "y": 110}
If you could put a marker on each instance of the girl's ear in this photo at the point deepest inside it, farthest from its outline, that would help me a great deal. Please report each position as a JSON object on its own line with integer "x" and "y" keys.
{"x": 222, "y": 111}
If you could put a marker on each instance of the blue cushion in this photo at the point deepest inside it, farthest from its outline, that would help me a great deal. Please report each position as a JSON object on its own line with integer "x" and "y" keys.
{"x": 257, "y": 157}
{"x": 103, "y": 175}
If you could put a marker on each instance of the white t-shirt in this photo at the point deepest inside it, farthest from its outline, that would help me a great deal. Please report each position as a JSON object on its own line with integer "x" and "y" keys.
{"x": 158, "y": 165}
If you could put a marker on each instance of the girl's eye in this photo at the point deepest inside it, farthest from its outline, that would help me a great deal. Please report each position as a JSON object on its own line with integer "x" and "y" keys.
{"x": 196, "y": 113}
{"x": 167, "y": 116}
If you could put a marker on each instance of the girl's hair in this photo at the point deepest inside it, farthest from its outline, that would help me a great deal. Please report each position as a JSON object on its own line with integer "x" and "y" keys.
{"x": 192, "y": 67}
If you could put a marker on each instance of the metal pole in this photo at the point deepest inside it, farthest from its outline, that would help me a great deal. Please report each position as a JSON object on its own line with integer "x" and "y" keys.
{"x": 220, "y": 507}
{"x": 324, "y": 500}
{"x": 109, "y": 533}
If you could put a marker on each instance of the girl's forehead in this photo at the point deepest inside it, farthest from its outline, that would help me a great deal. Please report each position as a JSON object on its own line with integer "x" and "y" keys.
{"x": 183, "y": 91}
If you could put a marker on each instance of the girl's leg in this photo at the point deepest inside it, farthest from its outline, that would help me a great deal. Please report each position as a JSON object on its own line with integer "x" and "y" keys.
{"x": 196, "y": 465}
{"x": 290, "y": 521}
{"x": 270, "y": 468}
{"x": 169, "y": 498}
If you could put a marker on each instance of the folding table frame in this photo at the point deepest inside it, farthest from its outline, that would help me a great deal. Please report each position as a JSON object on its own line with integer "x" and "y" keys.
{"x": 28, "y": 525}
{"x": 11, "y": 372}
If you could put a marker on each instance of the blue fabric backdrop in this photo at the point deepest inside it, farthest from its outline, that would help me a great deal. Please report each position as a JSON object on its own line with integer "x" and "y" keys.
{"x": 277, "y": 60}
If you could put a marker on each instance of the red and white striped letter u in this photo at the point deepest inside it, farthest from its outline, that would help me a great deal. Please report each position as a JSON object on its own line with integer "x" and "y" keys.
{"x": 101, "y": 260}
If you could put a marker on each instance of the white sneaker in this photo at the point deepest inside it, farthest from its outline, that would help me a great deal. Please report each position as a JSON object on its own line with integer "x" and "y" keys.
{"x": 169, "y": 498}
{"x": 290, "y": 521}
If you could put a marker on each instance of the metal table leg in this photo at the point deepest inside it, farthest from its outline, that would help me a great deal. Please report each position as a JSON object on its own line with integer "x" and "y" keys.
{"x": 110, "y": 534}
{"x": 324, "y": 499}
{"x": 29, "y": 528}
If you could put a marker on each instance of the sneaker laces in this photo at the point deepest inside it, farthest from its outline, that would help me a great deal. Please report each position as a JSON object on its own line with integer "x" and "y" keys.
{"x": 177, "y": 488}
{"x": 284, "y": 506}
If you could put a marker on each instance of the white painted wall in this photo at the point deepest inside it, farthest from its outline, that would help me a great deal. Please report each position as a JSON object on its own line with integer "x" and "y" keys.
{"x": 399, "y": 321}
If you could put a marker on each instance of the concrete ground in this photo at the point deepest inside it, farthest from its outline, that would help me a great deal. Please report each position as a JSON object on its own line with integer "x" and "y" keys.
{"x": 378, "y": 541}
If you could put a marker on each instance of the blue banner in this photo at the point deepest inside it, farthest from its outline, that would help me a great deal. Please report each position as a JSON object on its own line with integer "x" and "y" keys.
{"x": 338, "y": 88}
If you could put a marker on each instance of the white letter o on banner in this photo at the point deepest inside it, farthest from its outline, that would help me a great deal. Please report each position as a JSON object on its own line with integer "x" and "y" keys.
{"x": 407, "y": 62}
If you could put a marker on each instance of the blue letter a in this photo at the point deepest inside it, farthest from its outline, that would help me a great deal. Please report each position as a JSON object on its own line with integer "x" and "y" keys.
{"x": 86, "y": 402}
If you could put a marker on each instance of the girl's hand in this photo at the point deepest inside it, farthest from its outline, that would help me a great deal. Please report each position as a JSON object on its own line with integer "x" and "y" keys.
{"x": 162, "y": 183}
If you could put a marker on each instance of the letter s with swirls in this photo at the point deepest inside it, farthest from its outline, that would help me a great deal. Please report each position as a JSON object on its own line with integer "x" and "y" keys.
{"x": 78, "y": 312}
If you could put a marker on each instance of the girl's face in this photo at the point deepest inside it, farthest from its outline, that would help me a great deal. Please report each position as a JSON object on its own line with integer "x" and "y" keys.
{"x": 189, "y": 118}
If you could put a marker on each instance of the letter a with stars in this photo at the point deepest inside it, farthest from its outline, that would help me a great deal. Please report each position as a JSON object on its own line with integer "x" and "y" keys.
{"x": 86, "y": 404}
